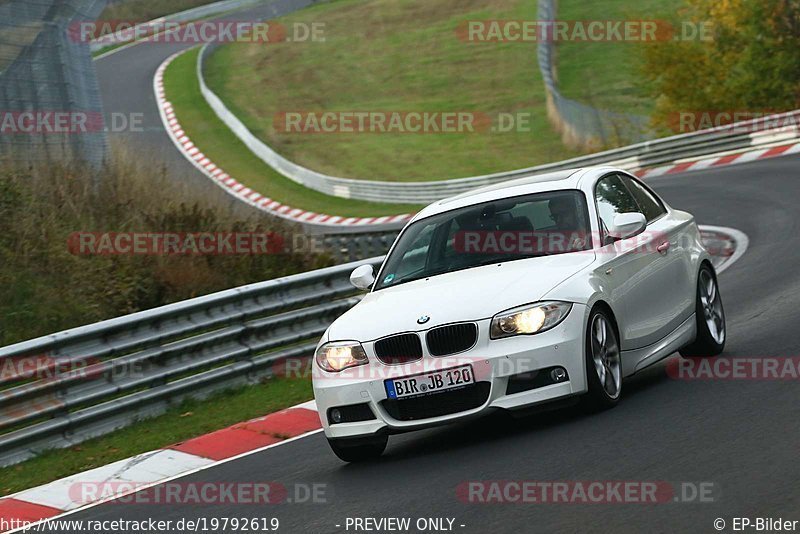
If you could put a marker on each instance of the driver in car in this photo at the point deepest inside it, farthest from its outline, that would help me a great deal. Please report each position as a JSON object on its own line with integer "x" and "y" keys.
{"x": 565, "y": 235}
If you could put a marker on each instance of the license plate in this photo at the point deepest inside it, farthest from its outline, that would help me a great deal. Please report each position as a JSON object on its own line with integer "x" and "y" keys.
{"x": 428, "y": 383}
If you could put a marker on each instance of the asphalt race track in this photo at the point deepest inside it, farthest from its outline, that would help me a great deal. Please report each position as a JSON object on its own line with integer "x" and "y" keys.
{"x": 126, "y": 87}
{"x": 742, "y": 436}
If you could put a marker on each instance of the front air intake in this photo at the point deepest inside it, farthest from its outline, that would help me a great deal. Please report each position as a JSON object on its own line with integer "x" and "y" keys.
{"x": 452, "y": 338}
{"x": 402, "y": 348}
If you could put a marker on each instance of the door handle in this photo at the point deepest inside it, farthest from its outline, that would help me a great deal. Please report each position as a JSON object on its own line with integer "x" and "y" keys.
{"x": 663, "y": 248}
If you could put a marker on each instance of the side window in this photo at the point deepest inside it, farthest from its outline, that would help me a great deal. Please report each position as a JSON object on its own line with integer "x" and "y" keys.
{"x": 651, "y": 205}
{"x": 613, "y": 198}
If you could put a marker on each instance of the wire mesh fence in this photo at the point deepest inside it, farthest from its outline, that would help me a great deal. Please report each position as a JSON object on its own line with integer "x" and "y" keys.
{"x": 580, "y": 124}
{"x": 50, "y": 106}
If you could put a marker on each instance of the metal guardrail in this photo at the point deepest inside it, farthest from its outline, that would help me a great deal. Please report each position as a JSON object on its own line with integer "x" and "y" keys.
{"x": 61, "y": 389}
{"x": 633, "y": 157}
{"x": 141, "y": 364}
{"x": 346, "y": 248}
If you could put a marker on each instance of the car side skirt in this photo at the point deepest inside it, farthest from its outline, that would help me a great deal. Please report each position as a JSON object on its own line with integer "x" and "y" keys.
{"x": 635, "y": 360}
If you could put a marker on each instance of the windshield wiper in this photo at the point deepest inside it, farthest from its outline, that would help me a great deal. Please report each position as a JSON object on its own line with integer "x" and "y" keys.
{"x": 501, "y": 259}
{"x": 451, "y": 269}
{"x": 434, "y": 272}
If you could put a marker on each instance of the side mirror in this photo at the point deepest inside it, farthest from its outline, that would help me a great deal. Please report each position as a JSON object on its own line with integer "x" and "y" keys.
{"x": 627, "y": 225}
{"x": 362, "y": 277}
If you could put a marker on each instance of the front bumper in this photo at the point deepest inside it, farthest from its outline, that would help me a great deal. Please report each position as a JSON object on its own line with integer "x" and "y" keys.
{"x": 492, "y": 361}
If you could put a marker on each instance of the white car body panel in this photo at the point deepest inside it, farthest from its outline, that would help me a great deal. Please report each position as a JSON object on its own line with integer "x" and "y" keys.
{"x": 454, "y": 296}
{"x": 651, "y": 294}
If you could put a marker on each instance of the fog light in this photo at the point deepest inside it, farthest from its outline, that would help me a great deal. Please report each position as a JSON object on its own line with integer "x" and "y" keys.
{"x": 336, "y": 416}
{"x": 351, "y": 413}
{"x": 558, "y": 374}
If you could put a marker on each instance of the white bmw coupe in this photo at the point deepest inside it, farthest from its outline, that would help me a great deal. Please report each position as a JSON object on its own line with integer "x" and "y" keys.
{"x": 541, "y": 289}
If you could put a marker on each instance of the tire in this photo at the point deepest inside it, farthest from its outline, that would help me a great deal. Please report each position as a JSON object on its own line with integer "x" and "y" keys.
{"x": 359, "y": 449}
{"x": 710, "y": 317}
{"x": 603, "y": 363}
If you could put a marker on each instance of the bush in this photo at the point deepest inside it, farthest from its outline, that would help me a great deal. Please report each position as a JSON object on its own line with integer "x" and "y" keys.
{"x": 751, "y": 65}
{"x": 45, "y": 288}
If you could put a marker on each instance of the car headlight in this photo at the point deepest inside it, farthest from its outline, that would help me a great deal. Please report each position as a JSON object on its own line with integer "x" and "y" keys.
{"x": 529, "y": 319}
{"x": 340, "y": 355}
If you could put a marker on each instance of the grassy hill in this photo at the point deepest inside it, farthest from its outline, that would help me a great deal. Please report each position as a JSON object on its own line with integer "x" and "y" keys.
{"x": 606, "y": 75}
{"x": 394, "y": 55}
{"x": 404, "y": 55}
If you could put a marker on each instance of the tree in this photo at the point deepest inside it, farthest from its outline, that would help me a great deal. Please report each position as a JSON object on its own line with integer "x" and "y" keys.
{"x": 751, "y": 64}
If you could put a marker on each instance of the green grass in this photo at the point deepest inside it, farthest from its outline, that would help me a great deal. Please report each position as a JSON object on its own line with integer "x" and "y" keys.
{"x": 211, "y": 136}
{"x": 606, "y": 74}
{"x": 146, "y": 10}
{"x": 394, "y": 55}
{"x": 188, "y": 420}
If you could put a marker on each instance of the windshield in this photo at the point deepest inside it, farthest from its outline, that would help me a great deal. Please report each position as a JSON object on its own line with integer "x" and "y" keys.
{"x": 542, "y": 224}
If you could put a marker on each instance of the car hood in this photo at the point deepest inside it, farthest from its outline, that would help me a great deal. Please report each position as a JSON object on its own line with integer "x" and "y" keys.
{"x": 467, "y": 295}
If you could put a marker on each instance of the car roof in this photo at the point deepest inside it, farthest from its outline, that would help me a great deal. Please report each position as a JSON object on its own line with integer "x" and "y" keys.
{"x": 534, "y": 183}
